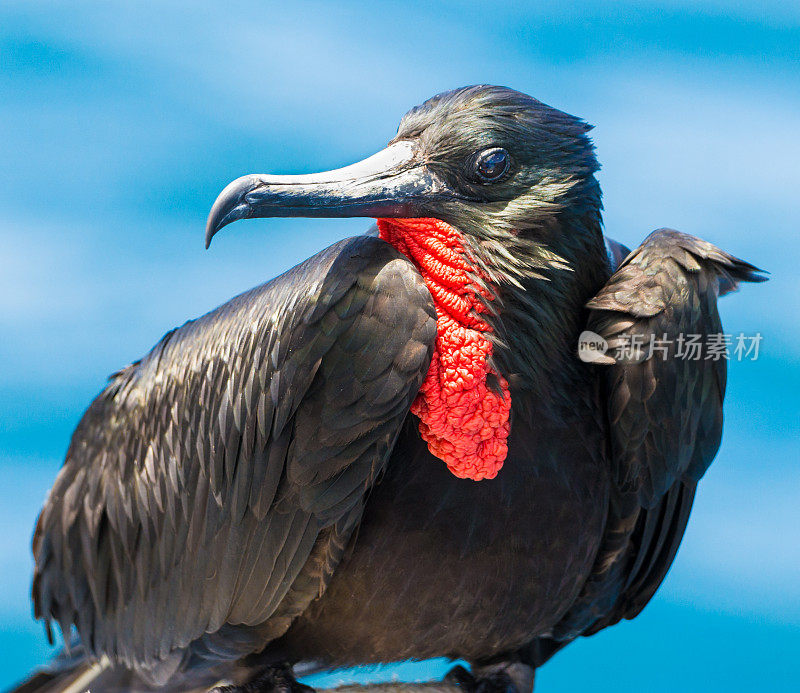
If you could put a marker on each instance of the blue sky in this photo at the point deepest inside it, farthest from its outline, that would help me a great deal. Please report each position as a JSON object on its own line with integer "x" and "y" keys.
{"x": 121, "y": 124}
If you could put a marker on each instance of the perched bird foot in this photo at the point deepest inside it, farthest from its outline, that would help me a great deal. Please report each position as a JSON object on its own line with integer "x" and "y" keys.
{"x": 275, "y": 679}
{"x": 499, "y": 678}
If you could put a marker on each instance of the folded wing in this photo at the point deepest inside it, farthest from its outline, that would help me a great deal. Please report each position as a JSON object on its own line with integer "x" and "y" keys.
{"x": 213, "y": 485}
{"x": 664, "y": 413}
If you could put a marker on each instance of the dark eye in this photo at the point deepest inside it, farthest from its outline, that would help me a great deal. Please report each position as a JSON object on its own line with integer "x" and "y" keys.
{"x": 491, "y": 164}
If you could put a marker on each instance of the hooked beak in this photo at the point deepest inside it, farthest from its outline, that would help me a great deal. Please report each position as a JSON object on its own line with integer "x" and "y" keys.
{"x": 391, "y": 183}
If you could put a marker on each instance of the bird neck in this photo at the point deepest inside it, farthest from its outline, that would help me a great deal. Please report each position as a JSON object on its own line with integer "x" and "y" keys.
{"x": 508, "y": 318}
{"x": 561, "y": 264}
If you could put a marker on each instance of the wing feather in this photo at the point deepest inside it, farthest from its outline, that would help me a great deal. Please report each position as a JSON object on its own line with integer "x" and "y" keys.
{"x": 664, "y": 416}
{"x": 207, "y": 484}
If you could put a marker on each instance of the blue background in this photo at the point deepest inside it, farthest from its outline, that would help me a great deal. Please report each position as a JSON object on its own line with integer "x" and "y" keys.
{"x": 120, "y": 124}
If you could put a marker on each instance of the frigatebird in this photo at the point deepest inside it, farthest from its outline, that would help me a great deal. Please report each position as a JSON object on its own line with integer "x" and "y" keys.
{"x": 393, "y": 451}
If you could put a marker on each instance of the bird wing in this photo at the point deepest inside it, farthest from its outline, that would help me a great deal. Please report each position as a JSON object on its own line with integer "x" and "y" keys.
{"x": 217, "y": 480}
{"x": 664, "y": 414}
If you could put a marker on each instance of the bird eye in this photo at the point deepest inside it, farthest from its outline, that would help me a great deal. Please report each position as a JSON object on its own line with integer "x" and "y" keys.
{"x": 491, "y": 164}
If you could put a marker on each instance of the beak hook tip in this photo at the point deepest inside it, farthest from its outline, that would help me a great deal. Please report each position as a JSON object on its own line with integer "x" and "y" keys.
{"x": 229, "y": 206}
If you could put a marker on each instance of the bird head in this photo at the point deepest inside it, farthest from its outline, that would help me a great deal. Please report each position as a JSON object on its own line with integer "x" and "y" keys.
{"x": 492, "y": 162}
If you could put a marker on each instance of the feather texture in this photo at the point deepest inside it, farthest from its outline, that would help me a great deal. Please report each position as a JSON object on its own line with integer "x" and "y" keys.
{"x": 227, "y": 468}
{"x": 664, "y": 416}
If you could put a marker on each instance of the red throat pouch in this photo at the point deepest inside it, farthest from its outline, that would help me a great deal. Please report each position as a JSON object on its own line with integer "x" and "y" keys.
{"x": 463, "y": 421}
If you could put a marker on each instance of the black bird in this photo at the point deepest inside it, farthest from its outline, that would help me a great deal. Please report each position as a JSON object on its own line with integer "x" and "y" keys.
{"x": 393, "y": 451}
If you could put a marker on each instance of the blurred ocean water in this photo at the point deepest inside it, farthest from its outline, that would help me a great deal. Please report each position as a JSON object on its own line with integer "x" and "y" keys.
{"x": 119, "y": 125}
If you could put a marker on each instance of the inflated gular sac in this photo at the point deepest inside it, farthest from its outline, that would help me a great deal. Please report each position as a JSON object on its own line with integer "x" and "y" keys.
{"x": 463, "y": 420}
